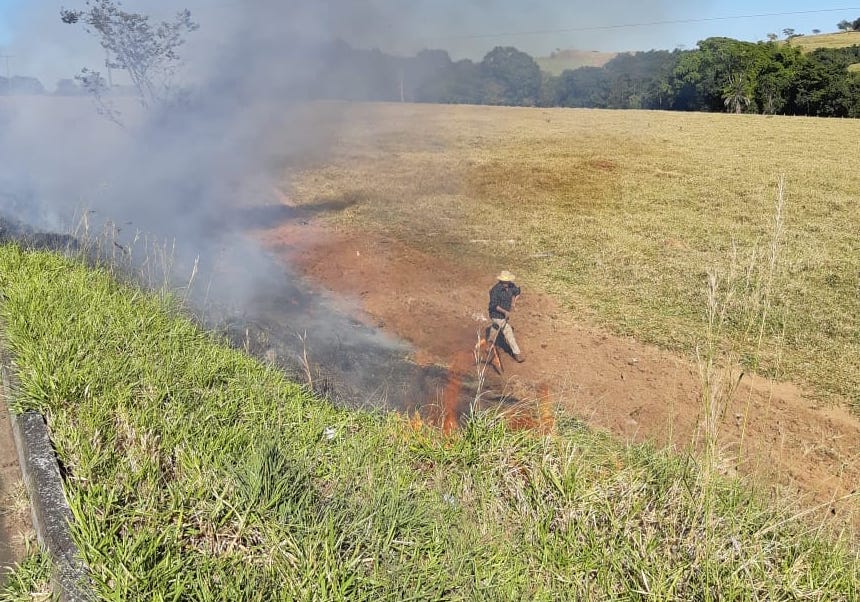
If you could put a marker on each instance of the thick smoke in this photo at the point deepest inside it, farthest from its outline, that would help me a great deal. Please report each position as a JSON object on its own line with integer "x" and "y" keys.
{"x": 176, "y": 170}
{"x": 200, "y": 170}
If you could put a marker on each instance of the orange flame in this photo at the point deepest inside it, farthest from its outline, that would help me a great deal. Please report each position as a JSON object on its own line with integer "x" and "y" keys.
{"x": 450, "y": 402}
{"x": 460, "y": 365}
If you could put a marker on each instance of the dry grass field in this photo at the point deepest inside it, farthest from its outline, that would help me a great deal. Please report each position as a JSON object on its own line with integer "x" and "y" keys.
{"x": 621, "y": 215}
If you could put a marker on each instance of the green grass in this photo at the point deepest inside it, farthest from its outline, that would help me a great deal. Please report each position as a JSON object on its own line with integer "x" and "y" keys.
{"x": 30, "y": 581}
{"x": 195, "y": 472}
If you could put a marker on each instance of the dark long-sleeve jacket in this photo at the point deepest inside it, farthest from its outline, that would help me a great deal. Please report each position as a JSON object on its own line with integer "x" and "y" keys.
{"x": 502, "y": 295}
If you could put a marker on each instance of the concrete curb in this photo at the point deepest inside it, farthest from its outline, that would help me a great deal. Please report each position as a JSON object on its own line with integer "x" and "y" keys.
{"x": 49, "y": 509}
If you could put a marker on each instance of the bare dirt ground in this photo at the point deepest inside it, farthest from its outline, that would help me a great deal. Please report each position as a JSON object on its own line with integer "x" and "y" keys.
{"x": 635, "y": 391}
{"x": 14, "y": 519}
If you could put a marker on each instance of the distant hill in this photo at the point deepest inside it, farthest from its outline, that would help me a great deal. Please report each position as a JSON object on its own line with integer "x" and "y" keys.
{"x": 560, "y": 60}
{"x": 826, "y": 40}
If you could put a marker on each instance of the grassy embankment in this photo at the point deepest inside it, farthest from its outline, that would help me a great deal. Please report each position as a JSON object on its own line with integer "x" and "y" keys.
{"x": 621, "y": 213}
{"x": 194, "y": 471}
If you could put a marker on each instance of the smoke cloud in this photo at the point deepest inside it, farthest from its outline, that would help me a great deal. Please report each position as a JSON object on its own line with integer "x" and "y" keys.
{"x": 199, "y": 170}
{"x": 183, "y": 166}
{"x": 194, "y": 171}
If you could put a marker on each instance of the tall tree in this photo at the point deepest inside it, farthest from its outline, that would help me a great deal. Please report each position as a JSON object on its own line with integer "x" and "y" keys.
{"x": 775, "y": 76}
{"x": 148, "y": 53}
{"x": 516, "y": 75}
{"x": 854, "y": 96}
{"x": 586, "y": 87}
{"x": 462, "y": 82}
{"x": 639, "y": 79}
{"x": 737, "y": 95}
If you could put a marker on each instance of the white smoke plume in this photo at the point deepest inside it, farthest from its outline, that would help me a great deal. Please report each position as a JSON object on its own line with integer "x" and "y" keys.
{"x": 177, "y": 169}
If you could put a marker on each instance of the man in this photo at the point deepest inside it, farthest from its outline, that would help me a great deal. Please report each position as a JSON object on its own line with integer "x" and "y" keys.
{"x": 503, "y": 298}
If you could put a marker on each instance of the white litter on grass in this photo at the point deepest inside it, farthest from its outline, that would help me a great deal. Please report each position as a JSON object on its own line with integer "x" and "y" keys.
{"x": 330, "y": 433}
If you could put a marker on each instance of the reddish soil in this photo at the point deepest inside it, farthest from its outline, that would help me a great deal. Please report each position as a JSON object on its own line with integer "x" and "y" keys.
{"x": 635, "y": 391}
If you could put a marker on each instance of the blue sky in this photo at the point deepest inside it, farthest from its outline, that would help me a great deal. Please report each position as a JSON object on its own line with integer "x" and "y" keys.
{"x": 30, "y": 29}
{"x": 5, "y": 8}
{"x": 549, "y": 15}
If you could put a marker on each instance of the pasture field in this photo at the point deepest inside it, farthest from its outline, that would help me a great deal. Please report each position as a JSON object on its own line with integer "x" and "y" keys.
{"x": 196, "y": 472}
{"x": 622, "y": 215}
{"x": 826, "y": 40}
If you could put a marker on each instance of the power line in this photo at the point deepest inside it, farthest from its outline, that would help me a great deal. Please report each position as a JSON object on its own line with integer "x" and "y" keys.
{"x": 541, "y": 32}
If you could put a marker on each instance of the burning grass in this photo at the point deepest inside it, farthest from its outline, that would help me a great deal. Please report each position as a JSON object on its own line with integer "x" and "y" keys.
{"x": 622, "y": 214}
{"x": 195, "y": 471}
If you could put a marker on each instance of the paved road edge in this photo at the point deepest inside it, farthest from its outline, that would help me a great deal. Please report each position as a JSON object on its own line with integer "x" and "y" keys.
{"x": 50, "y": 511}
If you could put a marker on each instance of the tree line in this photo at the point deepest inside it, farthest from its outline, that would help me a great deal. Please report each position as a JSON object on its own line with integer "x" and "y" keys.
{"x": 20, "y": 85}
{"x": 721, "y": 74}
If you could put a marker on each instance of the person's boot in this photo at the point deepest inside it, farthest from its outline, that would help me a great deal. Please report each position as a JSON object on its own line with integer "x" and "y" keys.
{"x": 519, "y": 357}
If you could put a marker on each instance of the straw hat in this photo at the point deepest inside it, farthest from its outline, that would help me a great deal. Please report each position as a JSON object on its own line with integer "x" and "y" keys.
{"x": 506, "y": 276}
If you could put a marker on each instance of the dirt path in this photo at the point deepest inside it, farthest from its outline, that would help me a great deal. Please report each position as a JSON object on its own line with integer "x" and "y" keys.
{"x": 635, "y": 391}
{"x": 14, "y": 523}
